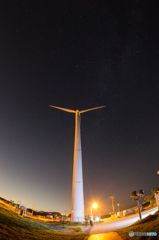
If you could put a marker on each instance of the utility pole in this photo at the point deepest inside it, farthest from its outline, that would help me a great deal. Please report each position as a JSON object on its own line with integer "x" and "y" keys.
{"x": 113, "y": 199}
{"x": 100, "y": 212}
{"x": 32, "y": 209}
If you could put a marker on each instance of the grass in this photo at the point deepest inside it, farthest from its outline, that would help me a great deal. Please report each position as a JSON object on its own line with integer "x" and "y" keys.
{"x": 77, "y": 227}
{"x": 148, "y": 224}
{"x": 79, "y": 224}
{"x": 14, "y": 227}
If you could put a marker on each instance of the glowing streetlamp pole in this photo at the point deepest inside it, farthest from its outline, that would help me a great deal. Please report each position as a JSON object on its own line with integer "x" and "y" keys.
{"x": 94, "y": 205}
{"x": 118, "y": 207}
{"x": 77, "y": 209}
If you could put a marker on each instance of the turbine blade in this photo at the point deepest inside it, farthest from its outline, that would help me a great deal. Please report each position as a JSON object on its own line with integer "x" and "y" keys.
{"x": 64, "y": 109}
{"x": 91, "y": 109}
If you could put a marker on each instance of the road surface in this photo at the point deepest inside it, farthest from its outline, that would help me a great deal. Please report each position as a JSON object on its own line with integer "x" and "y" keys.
{"x": 104, "y": 236}
{"x": 113, "y": 225}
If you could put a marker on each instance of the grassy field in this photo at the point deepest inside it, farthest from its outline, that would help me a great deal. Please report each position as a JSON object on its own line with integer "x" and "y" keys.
{"x": 14, "y": 227}
{"x": 148, "y": 224}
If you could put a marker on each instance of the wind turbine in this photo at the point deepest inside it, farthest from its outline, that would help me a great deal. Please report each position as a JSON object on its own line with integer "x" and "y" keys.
{"x": 77, "y": 209}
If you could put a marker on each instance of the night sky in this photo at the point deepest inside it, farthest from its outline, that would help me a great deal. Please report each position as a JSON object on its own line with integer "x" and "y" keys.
{"x": 78, "y": 55}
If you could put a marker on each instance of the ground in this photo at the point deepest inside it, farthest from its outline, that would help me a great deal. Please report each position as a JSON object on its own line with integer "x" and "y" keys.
{"x": 148, "y": 224}
{"x": 14, "y": 227}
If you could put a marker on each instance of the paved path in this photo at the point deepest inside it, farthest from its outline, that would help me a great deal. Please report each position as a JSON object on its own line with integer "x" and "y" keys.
{"x": 113, "y": 225}
{"x": 104, "y": 236}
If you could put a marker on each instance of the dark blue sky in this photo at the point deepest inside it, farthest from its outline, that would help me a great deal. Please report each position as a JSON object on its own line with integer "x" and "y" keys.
{"x": 78, "y": 56}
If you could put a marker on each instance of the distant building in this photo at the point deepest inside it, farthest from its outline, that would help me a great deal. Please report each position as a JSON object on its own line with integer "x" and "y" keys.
{"x": 49, "y": 216}
{"x": 28, "y": 213}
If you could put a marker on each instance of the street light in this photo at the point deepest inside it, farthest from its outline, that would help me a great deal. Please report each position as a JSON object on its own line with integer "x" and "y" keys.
{"x": 136, "y": 197}
{"x": 94, "y": 205}
{"x": 118, "y": 207}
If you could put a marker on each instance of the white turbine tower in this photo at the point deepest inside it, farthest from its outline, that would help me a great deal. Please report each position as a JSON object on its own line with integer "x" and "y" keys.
{"x": 77, "y": 209}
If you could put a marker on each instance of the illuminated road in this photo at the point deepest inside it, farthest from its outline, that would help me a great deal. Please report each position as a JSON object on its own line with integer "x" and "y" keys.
{"x": 113, "y": 225}
{"x": 104, "y": 236}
